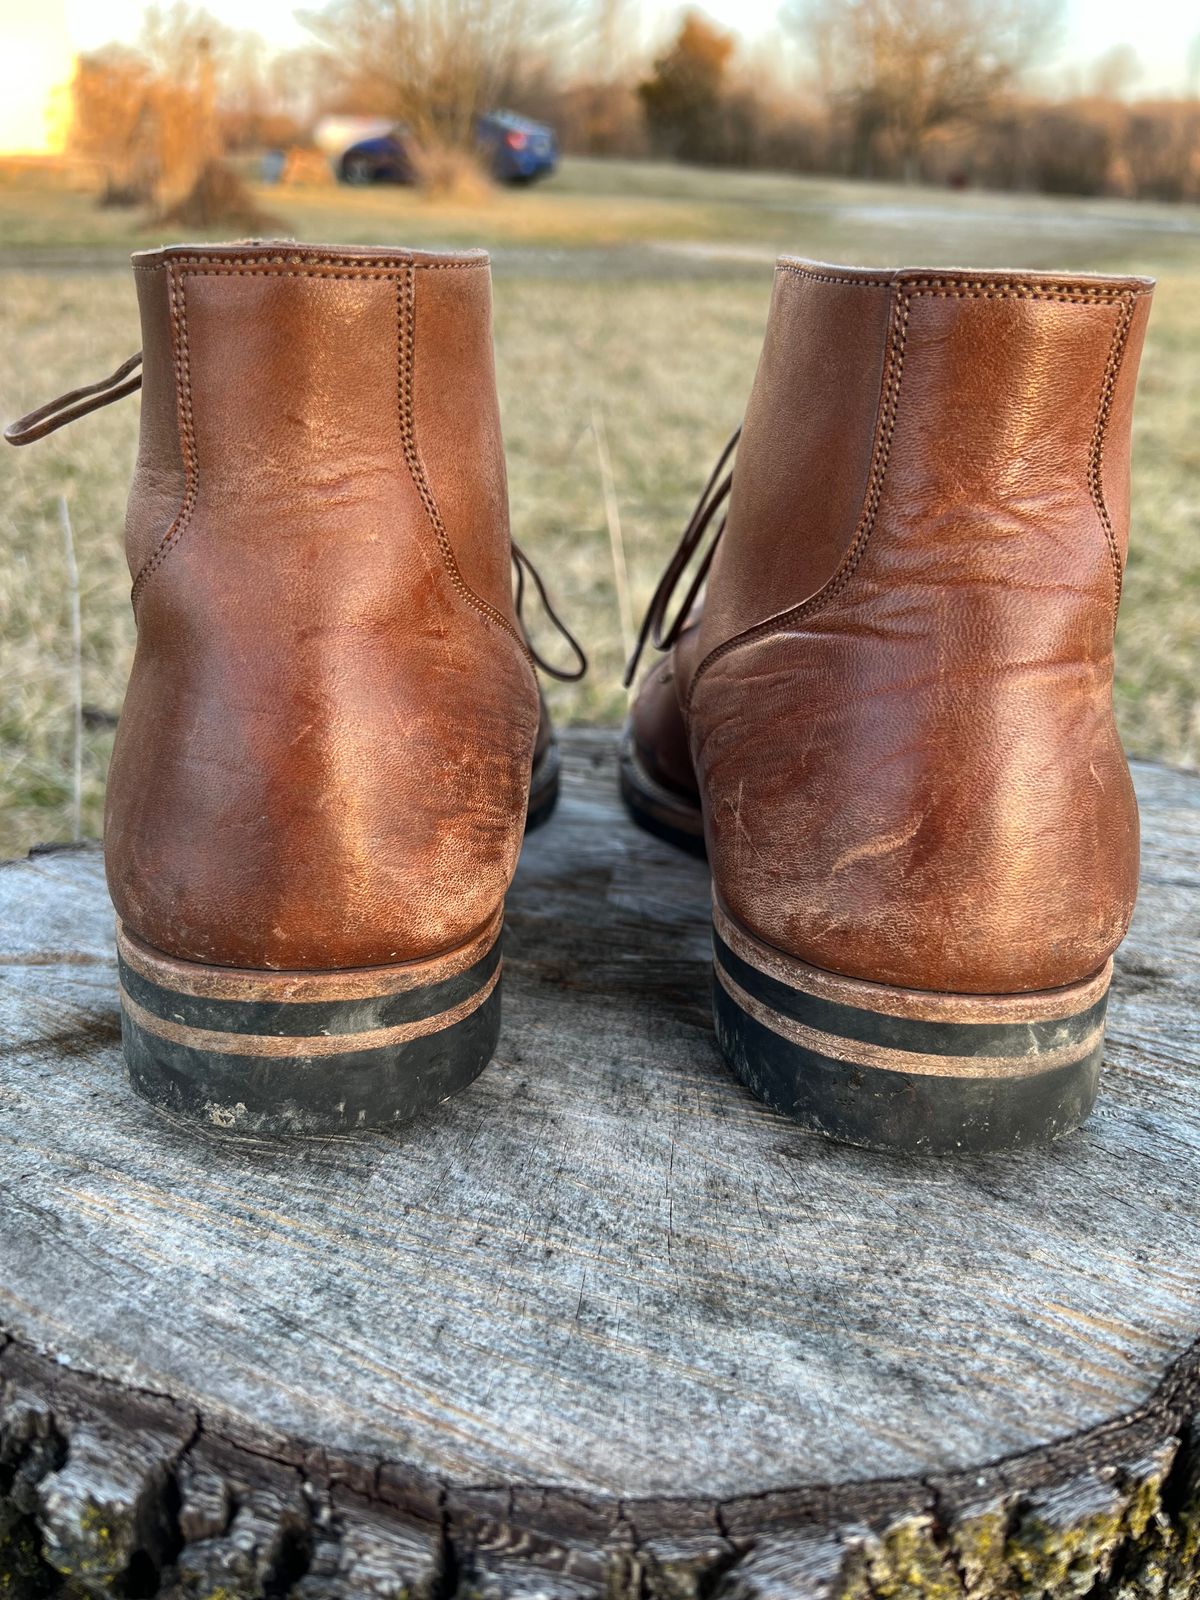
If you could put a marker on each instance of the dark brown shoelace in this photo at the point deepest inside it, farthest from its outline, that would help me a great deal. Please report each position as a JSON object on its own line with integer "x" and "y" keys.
{"x": 76, "y": 403}
{"x": 523, "y": 565}
{"x": 127, "y": 379}
{"x": 654, "y": 629}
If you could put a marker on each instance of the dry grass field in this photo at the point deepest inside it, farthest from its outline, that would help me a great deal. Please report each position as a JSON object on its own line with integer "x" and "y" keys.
{"x": 631, "y": 293}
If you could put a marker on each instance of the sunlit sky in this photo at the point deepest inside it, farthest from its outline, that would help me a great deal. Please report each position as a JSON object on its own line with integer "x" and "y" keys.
{"x": 38, "y": 39}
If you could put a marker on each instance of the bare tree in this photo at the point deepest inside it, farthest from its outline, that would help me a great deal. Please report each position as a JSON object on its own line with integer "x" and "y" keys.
{"x": 184, "y": 42}
{"x": 904, "y": 68}
{"x": 112, "y": 104}
{"x": 152, "y": 119}
{"x": 437, "y": 64}
{"x": 228, "y": 70}
{"x": 610, "y": 33}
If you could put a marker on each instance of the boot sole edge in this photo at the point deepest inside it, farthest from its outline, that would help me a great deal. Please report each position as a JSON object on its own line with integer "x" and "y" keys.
{"x": 261, "y": 1053}
{"x": 905, "y": 1071}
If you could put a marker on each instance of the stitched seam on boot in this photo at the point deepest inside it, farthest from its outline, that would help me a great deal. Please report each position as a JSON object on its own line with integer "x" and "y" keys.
{"x": 406, "y": 316}
{"x": 909, "y": 289}
{"x": 308, "y": 266}
{"x": 941, "y": 288}
{"x": 1116, "y": 355}
{"x": 993, "y": 288}
{"x": 401, "y": 273}
{"x": 885, "y": 430}
{"x": 816, "y": 276}
{"x": 181, "y": 361}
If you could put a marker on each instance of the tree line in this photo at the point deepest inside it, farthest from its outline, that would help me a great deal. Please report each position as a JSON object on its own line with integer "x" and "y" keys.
{"x": 939, "y": 91}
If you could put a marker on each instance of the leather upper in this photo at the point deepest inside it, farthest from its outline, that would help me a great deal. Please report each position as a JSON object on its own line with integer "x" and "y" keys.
{"x": 806, "y": 443}
{"x": 900, "y": 712}
{"x": 324, "y": 755}
{"x": 659, "y": 731}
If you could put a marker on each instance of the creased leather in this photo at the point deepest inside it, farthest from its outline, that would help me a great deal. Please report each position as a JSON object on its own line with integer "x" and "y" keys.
{"x": 915, "y": 777}
{"x": 324, "y": 755}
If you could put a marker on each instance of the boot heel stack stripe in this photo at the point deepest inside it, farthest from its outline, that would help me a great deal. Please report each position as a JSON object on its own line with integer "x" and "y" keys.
{"x": 903, "y": 1070}
{"x": 319, "y": 1026}
{"x": 294, "y": 1052}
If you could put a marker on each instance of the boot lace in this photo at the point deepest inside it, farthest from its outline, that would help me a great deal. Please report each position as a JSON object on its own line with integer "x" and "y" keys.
{"x": 522, "y": 565}
{"x": 655, "y": 629}
{"x": 127, "y": 379}
{"x": 76, "y": 403}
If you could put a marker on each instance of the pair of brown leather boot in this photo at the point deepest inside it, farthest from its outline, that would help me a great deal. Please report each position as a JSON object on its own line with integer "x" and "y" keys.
{"x": 891, "y": 725}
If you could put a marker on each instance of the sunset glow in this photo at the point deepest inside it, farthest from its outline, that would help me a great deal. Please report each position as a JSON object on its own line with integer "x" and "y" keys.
{"x": 36, "y": 61}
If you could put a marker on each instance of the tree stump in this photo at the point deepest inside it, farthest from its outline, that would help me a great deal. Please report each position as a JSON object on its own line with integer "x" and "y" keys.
{"x": 603, "y": 1325}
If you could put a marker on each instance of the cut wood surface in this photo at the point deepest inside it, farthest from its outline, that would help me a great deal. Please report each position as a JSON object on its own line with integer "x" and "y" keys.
{"x": 602, "y": 1324}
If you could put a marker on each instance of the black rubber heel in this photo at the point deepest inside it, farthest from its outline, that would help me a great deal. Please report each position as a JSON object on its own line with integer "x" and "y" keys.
{"x": 307, "y": 1052}
{"x": 904, "y": 1070}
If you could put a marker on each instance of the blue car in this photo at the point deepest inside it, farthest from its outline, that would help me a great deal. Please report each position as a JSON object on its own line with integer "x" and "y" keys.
{"x": 514, "y": 149}
{"x": 386, "y": 158}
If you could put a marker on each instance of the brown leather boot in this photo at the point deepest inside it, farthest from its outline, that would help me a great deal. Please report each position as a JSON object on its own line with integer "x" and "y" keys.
{"x": 892, "y": 724}
{"x": 323, "y": 766}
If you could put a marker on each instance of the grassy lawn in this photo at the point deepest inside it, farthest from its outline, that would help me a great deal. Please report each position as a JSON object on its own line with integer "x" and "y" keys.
{"x": 632, "y": 293}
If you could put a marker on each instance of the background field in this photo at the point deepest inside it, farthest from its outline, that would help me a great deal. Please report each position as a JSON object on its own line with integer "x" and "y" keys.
{"x": 630, "y": 293}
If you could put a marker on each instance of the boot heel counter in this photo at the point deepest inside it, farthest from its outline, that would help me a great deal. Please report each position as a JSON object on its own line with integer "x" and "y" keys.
{"x": 1003, "y": 874}
{"x": 325, "y": 750}
{"x": 343, "y": 805}
{"x": 914, "y": 776}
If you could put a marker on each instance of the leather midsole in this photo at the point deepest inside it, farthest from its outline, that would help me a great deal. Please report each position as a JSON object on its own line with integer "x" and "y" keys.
{"x": 929, "y": 1005}
{"x": 284, "y": 988}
